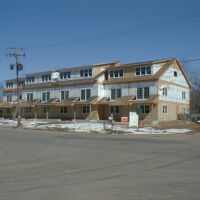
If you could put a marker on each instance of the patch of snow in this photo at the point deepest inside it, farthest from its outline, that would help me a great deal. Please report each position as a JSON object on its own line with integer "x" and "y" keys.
{"x": 92, "y": 127}
{"x": 173, "y": 130}
{"x": 8, "y": 123}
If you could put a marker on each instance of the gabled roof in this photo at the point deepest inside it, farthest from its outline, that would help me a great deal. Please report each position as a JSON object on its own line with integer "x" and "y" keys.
{"x": 125, "y": 100}
{"x": 154, "y": 77}
{"x": 151, "y": 100}
{"x": 184, "y": 74}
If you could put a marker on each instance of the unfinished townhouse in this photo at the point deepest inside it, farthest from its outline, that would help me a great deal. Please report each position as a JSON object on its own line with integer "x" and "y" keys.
{"x": 156, "y": 90}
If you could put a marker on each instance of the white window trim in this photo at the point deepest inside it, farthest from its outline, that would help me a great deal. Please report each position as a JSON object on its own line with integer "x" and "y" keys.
{"x": 142, "y": 93}
{"x": 118, "y": 73}
{"x": 115, "y": 93}
{"x": 85, "y": 94}
{"x": 150, "y": 108}
{"x": 145, "y": 71}
{"x": 61, "y": 95}
{"x": 167, "y": 109}
{"x": 86, "y": 112}
{"x": 63, "y": 112}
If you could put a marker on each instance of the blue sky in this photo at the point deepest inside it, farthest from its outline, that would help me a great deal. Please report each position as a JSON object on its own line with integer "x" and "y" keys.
{"x": 67, "y": 33}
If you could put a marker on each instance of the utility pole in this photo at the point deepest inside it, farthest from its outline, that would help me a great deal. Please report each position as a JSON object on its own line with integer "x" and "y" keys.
{"x": 16, "y": 53}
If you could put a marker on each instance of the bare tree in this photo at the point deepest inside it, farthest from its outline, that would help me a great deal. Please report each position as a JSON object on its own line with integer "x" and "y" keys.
{"x": 195, "y": 95}
{"x": 1, "y": 89}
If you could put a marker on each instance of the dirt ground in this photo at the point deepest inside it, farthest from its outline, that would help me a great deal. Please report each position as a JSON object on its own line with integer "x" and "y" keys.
{"x": 177, "y": 124}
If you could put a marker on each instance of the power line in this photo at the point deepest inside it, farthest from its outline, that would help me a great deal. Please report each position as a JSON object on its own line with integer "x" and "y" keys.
{"x": 124, "y": 32}
{"x": 198, "y": 59}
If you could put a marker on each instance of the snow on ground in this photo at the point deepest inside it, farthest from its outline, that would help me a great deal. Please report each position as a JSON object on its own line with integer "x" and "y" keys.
{"x": 8, "y": 123}
{"x": 103, "y": 128}
{"x": 91, "y": 127}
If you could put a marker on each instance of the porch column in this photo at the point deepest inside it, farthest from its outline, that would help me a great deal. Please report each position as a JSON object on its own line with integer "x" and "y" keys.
{"x": 74, "y": 109}
{"x": 47, "y": 112}
{"x": 90, "y": 111}
{"x": 35, "y": 109}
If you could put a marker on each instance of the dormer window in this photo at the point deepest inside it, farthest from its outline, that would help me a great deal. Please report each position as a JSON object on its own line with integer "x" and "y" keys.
{"x": 30, "y": 79}
{"x": 65, "y": 75}
{"x": 141, "y": 71}
{"x": 164, "y": 91}
{"x": 9, "y": 98}
{"x": 85, "y": 72}
{"x": 116, "y": 73}
{"x": 46, "y": 77}
{"x": 21, "y": 83}
{"x": 9, "y": 85}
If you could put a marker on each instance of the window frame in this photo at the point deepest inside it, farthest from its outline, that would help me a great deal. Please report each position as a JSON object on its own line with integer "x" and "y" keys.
{"x": 143, "y": 70}
{"x": 164, "y": 91}
{"x": 46, "y": 96}
{"x": 63, "y": 109}
{"x": 46, "y": 77}
{"x": 46, "y": 109}
{"x": 65, "y": 96}
{"x": 116, "y": 93}
{"x": 9, "y": 99}
{"x": 85, "y": 94}
{"x": 86, "y": 73}
{"x": 28, "y": 110}
{"x": 144, "y": 108}
{"x": 116, "y": 73}
{"x": 115, "y": 109}
{"x": 183, "y": 95}
{"x": 85, "y": 109}
{"x": 29, "y": 96}
{"x": 165, "y": 109}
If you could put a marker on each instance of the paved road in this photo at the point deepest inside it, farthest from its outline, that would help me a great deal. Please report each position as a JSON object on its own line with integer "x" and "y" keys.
{"x": 42, "y": 165}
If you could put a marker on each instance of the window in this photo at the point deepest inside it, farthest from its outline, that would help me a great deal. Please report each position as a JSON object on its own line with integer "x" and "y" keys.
{"x": 85, "y": 72}
{"x": 28, "y": 110}
{"x": 8, "y": 110}
{"x": 21, "y": 83}
{"x": 143, "y": 70}
{"x": 64, "y": 95}
{"x": 114, "y": 109}
{"x": 143, "y": 109}
{"x": 116, "y": 73}
{"x": 9, "y": 85}
{"x": 46, "y": 77}
{"x": 146, "y": 70}
{"x": 183, "y": 110}
{"x": 46, "y": 109}
{"x": 143, "y": 93}
{"x": 146, "y": 92}
{"x": 65, "y": 75}
{"x": 165, "y": 109}
{"x": 30, "y": 79}
{"x": 116, "y": 94}
{"x": 85, "y": 94}
{"x": 175, "y": 73}
{"x": 139, "y": 93}
{"x": 63, "y": 109}
{"x": 29, "y": 96}
{"x": 183, "y": 95}
{"x": 45, "y": 96}
{"x": 9, "y": 98}
{"x": 86, "y": 109}
{"x": 164, "y": 91}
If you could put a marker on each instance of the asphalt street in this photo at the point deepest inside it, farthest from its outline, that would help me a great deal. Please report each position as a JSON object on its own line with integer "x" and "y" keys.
{"x": 48, "y": 165}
